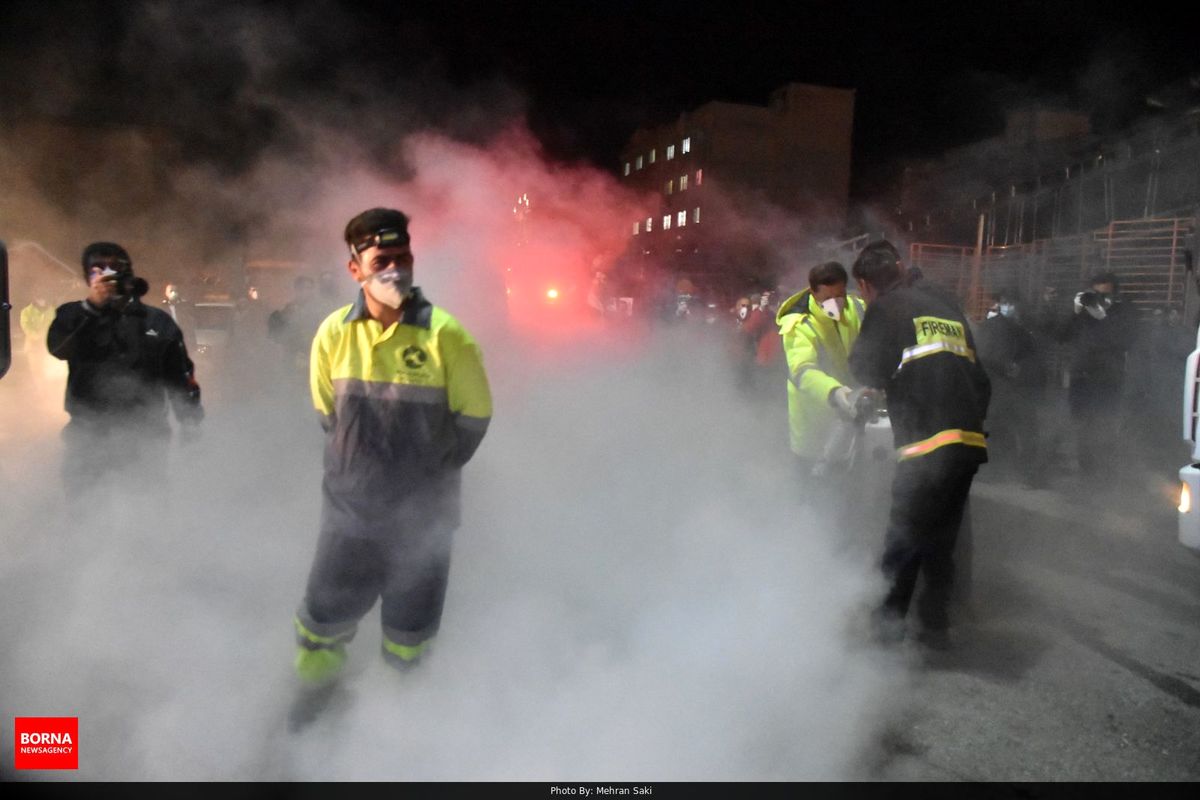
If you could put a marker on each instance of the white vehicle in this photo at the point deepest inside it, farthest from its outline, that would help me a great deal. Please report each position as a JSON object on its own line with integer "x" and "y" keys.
{"x": 1189, "y": 476}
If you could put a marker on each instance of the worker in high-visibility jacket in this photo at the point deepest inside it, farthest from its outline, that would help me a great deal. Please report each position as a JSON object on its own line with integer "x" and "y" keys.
{"x": 916, "y": 345}
{"x": 818, "y": 327}
{"x": 404, "y": 400}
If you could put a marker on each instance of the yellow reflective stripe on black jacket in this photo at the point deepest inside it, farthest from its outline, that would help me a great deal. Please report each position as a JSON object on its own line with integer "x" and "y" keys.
{"x": 941, "y": 439}
{"x": 917, "y": 346}
{"x": 402, "y": 406}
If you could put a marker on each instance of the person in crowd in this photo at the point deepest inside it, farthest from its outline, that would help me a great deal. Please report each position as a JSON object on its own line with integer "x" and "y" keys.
{"x": 127, "y": 365}
{"x": 403, "y": 396}
{"x": 600, "y": 300}
{"x": 1012, "y": 357}
{"x": 293, "y": 326}
{"x": 35, "y": 323}
{"x": 818, "y": 328}
{"x": 916, "y": 346}
{"x": 686, "y": 303}
{"x": 1100, "y": 334}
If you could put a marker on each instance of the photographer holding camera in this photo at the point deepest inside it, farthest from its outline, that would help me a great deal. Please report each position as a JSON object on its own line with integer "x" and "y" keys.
{"x": 126, "y": 361}
{"x": 1101, "y": 332}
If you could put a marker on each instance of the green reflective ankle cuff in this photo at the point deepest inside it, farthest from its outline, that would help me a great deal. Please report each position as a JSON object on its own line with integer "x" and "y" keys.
{"x": 316, "y": 666}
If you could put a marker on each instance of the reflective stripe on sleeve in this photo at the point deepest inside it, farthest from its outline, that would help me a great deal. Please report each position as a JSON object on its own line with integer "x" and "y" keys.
{"x": 941, "y": 439}
{"x": 922, "y": 350}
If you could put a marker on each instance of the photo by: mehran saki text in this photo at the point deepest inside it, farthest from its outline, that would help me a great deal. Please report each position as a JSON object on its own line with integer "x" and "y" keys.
{"x": 601, "y": 790}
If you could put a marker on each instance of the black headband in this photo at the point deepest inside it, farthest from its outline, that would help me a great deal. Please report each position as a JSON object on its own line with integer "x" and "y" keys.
{"x": 388, "y": 237}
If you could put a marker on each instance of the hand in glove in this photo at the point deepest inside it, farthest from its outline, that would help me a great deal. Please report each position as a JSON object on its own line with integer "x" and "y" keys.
{"x": 844, "y": 403}
{"x": 1078, "y": 302}
{"x": 859, "y": 405}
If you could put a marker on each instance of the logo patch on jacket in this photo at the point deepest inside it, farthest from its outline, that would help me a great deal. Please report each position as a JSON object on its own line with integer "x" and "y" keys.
{"x": 414, "y": 357}
{"x": 932, "y": 329}
{"x": 151, "y": 332}
{"x": 936, "y": 335}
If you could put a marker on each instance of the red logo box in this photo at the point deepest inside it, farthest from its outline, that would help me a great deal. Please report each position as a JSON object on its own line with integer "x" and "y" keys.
{"x": 46, "y": 743}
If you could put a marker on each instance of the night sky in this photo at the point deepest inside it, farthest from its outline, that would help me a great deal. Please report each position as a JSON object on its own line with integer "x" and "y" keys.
{"x": 584, "y": 75}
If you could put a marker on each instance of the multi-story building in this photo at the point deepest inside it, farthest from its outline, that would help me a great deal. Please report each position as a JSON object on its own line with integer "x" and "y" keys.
{"x": 740, "y": 188}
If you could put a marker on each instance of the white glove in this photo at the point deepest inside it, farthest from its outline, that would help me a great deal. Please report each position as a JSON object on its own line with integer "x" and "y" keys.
{"x": 842, "y": 400}
{"x": 1078, "y": 304}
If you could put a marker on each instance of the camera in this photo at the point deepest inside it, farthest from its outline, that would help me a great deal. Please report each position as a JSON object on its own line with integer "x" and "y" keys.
{"x": 125, "y": 284}
{"x": 1094, "y": 300}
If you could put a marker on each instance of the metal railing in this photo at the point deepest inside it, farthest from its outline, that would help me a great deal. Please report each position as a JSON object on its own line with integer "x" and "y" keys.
{"x": 1152, "y": 258}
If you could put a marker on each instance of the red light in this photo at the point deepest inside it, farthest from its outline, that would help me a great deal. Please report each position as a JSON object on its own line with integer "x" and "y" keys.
{"x": 552, "y": 294}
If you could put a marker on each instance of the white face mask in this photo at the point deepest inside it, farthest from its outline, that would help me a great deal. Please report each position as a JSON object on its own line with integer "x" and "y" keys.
{"x": 834, "y": 306}
{"x": 389, "y": 287}
{"x": 743, "y": 311}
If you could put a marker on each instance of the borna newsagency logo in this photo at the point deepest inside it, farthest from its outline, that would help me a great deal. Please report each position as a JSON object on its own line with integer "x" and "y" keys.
{"x": 46, "y": 743}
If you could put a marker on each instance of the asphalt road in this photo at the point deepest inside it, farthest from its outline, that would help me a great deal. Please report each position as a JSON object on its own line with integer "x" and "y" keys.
{"x": 1078, "y": 658}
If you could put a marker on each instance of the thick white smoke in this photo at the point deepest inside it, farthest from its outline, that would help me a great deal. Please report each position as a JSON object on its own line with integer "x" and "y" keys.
{"x": 637, "y": 592}
{"x": 636, "y": 595}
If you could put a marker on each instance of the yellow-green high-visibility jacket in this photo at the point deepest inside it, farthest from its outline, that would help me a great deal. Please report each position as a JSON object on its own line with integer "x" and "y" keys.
{"x": 35, "y": 322}
{"x": 403, "y": 408}
{"x": 817, "y": 349}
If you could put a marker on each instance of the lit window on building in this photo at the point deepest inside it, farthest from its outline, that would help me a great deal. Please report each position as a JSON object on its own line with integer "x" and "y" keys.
{"x": 626, "y": 167}
{"x": 686, "y": 146}
{"x": 638, "y": 163}
{"x": 649, "y": 224}
{"x": 652, "y": 155}
{"x": 637, "y": 228}
{"x": 696, "y": 214}
{"x": 666, "y": 222}
{"x": 683, "y": 183}
{"x": 681, "y": 219}
{"x": 699, "y": 177}
{"x": 670, "y": 152}
{"x": 670, "y": 186}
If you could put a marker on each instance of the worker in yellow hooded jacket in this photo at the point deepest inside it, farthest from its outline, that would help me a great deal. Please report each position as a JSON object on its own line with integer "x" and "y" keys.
{"x": 818, "y": 327}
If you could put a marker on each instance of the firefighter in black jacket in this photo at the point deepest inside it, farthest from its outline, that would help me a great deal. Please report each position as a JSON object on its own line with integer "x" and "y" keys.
{"x": 915, "y": 344}
{"x": 126, "y": 361}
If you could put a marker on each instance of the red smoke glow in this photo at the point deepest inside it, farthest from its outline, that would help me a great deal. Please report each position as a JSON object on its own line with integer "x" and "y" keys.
{"x": 523, "y": 236}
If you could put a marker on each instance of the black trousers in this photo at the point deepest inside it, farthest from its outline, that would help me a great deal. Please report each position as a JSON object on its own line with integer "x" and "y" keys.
{"x": 929, "y": 495}
{"x": 1096, "y": 411}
